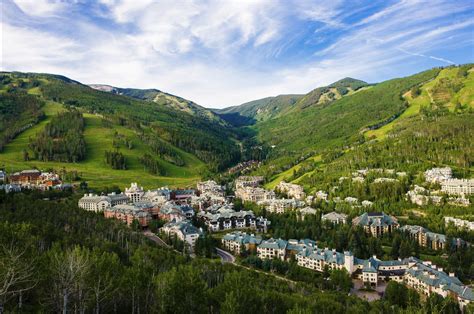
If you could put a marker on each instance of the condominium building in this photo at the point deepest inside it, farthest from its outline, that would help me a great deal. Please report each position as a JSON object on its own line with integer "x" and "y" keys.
{"x": 99, "y": 203}
{"x": 426, "y": 238}
{"x": 335, "y": 218}
{"x": 134, "y": 192}
{"x": 437, "y": 175}
{"x": 460, "y": 223}
{"x": 255, "y": 195}
{"x": 279, "y": 206}
{"x": 236, "y": 241}
{"x": 292, "y": 190}
{"x": 248, "y": 181}
{"x": 184, "y": 231}
{"x": 458, "y": 186}
{"x": 128, "y": 214}
{"x": 377, "y": 224}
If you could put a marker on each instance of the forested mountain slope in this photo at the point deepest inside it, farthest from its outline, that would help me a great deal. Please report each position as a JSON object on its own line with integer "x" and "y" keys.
{"x": 124, "y": 138}
{"x": 161, "y": 98}
{"x": 433, "y": 127}
{"x": 257, "y": 110}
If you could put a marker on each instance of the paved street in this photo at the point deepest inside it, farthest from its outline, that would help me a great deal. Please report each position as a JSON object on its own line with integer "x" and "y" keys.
{"x": 226, "y": 257}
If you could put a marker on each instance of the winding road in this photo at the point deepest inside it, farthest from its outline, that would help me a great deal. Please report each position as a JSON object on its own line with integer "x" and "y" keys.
{"x": 226, "y": 257}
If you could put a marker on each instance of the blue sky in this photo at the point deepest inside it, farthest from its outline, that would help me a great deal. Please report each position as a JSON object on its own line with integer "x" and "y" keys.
{"x": 222, "y": 53}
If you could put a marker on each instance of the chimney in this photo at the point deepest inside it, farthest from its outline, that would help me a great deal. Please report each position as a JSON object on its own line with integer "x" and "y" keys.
{"x": 451, "y": 275}
{"x": 374, "y": 256}
{"x": 440, "y": 269}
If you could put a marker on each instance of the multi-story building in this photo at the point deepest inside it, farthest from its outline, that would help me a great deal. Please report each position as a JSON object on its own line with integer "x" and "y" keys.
{"x": 437, "y": 175}
{"x": 255, "y": 195}
{"x": 237, "y": 241}
{"x": 134, "y": 192}
{"x": 335, "y": 218}
{"x": 458, "y": 186}
{"x": 157, "y": 196}
{"x": 99, "y": 203}
{"x": 226, "y": 218}
{"x": 171, "y": 211}
{"x": 26, "y": 177}
{"x": 3, "y": 176}
{"x": 211, "y": 188}
{"x": 377, "y": 224}
{"x": 279, "y": 206}
{"x": 322, "y": 195}
{"x": 272, "y": 248}
{"x": 426, "y": 238}
{"x": 305, "y": 211}
{"x": 182, "y": 195}
{"x": 292, "y": 190}
{"x": 248, "y": 181}
{"x": 184, "y": 231}
{"x": 460, "y": 223}
{"x": 128, "y": 214}
{"x": 422, "y": 276}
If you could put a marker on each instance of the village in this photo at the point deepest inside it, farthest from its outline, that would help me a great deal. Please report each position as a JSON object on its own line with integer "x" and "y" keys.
{"x": 188, "y": 214}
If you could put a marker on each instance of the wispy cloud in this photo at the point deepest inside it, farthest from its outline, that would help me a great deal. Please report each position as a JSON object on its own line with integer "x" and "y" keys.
{"x": 221, "y": 53}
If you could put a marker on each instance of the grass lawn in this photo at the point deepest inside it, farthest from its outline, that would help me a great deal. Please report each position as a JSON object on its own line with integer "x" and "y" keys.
{"x": 94, "y": 169}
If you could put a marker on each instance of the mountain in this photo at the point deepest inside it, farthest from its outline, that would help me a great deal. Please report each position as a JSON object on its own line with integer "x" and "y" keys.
{"x": 271, "y": 107}
{"x": 405, "y": 123}
{"x": 156, "y": 142}
{"x": 257, "y": 110}
{"x": 162, "y": 98}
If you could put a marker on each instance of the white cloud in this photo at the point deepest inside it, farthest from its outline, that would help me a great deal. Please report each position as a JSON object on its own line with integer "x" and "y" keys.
{"x": 42, "y": 8}
{"x": 221, "y": 53}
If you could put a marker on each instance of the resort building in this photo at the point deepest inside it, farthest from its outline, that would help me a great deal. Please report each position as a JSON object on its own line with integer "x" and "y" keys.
{"x": 128, "y": 213}
{"x": 211, "y": 188}
{"x": 460, "y": 223}
{"x": 291, "y": 190}
{"x": 279, "y": 206}
{"x": 335, "y": 218}
{"x": 236, "y": 241}
{"x": 226, "y": 218}
{"x": 307, "y": 211}
{"x": 184, "y": 231}
{"x": 134, "y": 192}
{"x": 99, "y": 203}
{"x": 248, "y": 181}
{"x": 272, "y": 248}
{"x": 426, "y": 238}
{"x": 172, "y": 211}
{"x": 437, "y": 175}
{"x": 377, "y": 224}
{"x": 322, "y": 195}
{"x": 458, "y": 186}
{"x": 420, "y": 275}
{"x": 157, "y": 196}
{"x": 254, "y": 194}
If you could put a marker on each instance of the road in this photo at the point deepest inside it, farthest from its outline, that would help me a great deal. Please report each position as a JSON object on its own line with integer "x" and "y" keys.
{"x": 226, "y": 257}
{"x": 153, "y": 237}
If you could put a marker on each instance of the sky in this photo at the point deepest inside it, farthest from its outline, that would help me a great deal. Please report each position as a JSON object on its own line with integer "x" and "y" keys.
{"x": 225, "y": 52}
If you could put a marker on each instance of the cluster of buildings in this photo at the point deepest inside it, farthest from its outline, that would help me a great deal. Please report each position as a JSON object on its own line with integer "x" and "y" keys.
{"x": 279, "y": 206}
{"x": 422, "y": 276}
{"x": 361, "y": 175}
{"x": 31, "y": 179}
{"x": 335, "y": 218}
{"x": 426, "y": 238}
{"x": 460, "y": 223}
{"x": 294, "y": 191}
{"x": 218, "y": 218}
{"x": 449, "y": 185}
{"x": 422, "y": 196}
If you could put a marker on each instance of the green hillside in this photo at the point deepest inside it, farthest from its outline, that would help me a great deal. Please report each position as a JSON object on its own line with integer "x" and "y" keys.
{"x": 434, "y": 126}
{"x": 257, "y": 110}
{"x": 181, "y": 147}
{"x": 161, "y": 98}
